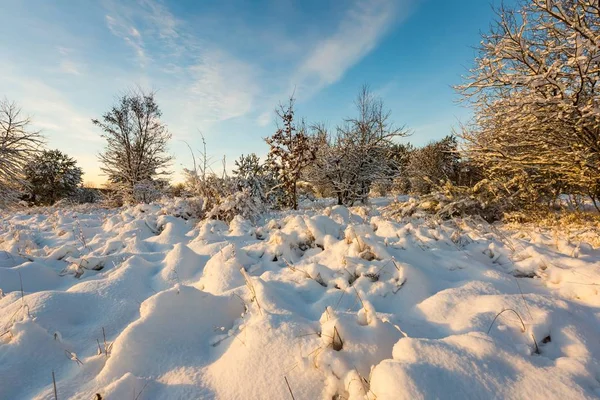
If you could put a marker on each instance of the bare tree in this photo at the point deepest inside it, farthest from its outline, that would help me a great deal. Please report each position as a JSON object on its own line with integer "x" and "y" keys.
{"x": 18, "y": 145}
{"x": 535, "y": 89}
{"x": 136, "y": 148}
{"x": 360, "y": 153}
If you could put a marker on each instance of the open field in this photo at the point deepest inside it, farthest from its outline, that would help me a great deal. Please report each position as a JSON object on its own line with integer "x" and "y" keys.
{"x": 326, "y": 302}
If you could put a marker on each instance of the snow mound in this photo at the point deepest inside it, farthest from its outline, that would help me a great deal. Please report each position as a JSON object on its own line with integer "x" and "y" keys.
{"x": 473, "y": 366}
{"x": 322, "y": 303}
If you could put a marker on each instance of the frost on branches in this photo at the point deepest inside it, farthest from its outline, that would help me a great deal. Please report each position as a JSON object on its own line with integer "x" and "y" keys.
{"x": 148, "y": 191}
{"x": 136, "y": 143}
{"x": 18, "y": 144}
{"x": 223, "y": 197}
{"x": 433, "y": 164}
{"x": 253, "y": 176}
{"x": 536, "y": 96}
{"x": 359, "y": 154}
{"x": 291, "y": 151}
{"x": 51, "y": 176}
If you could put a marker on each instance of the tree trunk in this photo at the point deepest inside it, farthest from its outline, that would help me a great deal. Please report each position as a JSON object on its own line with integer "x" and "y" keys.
{"x": 294, "y": 197}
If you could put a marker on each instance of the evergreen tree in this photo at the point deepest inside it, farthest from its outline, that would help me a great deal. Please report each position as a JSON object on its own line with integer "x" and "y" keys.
{"x": 291, "y": 151}
{"x": 51, "y": 176}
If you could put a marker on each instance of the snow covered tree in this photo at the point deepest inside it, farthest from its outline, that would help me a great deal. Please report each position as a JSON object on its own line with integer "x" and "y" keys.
{"x": 51, "y": 176}
{"x": 136, "y": 149}
{"x": 401, "y": 154}
{"x": 433, "y": 164}
{"x": 18, "y": 144}
{"x": 250, "y": 174}
{"x": 291, "y": 151}
{"x": 536, "y": 96}
{"x": 359, "y": 154}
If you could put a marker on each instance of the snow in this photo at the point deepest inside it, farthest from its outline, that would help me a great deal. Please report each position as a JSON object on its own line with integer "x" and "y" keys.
{"x": 336, "y": 302}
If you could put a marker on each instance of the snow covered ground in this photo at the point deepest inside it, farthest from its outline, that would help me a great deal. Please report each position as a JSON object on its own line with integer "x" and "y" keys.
{"x": 324, "y": 303}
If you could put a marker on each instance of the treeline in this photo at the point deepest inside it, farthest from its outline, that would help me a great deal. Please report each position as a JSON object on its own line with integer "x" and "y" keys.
{"x": 535, "y": 136}
{"x": 358, "y": 157}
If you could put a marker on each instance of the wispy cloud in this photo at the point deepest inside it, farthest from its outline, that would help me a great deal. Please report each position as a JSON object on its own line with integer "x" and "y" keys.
{"x": 223, "y": 85}
{"x": 67, "y": 63}
{"x": 161, "y": 18}
{"x": 122, "y": 28}
{"x": 69, "y": 67}
{"x": 358, "y": 32}
{"x": 201, "y": 82}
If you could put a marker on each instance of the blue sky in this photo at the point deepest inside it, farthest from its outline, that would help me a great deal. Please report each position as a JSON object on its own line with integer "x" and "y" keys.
{"x": 221, "y": 67}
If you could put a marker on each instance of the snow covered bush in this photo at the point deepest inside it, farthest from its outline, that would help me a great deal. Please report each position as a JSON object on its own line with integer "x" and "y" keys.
{"x": 210, "y": 187}
{"x": 9, "y": 197}
{"x": 87, "y": 195}
{"x": 148, "y": 191}
{"x": 250, "y": 174}
{"x": 534, "y": 88}
{"x": 449, "y": 200}
{"x": 433, "y": 164}
{"x": 186, "y": 208}
{"x": 224, "y": 197}
{"x": 113, "y": 195}
{"x": 242, "y": 203}
{"x": 51, "y": 176}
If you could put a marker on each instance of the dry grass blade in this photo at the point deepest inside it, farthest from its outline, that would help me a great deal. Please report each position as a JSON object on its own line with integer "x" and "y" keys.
{"x": 336, "y": 342}
{"x": 21, "y": 282}
{"x": 359, "y": 298}
{"x": 54, "y": 384}
{"x": 289, "y": 388}
{"x": 339, "y": 300}
{"x": 523, "y": 328}
{"x": 362, "y": 382}
{"x": 140, "y": 393}
{"x": 251, "y": 288}
{"x": 25, "y": 306}
{"x": 106, "y": 348}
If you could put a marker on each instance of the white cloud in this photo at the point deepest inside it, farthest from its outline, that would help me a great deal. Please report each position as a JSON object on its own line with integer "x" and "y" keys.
{"x": 265, "y": 118}
{"x": 199, "y": 82}
{"x": 161, "y": 18}
{"x": 358, "y": 32}
{"x": 122, "y": 28}
{"x": 70, "y": 67}
{"x": 223, "y": 85}
{"x": 67, "y": 63}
